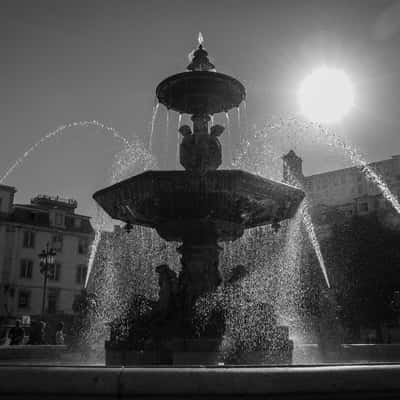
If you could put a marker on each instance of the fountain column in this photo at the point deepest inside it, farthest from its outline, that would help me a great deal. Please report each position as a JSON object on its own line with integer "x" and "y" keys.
{"x": 200, "y": 152}
{"x": 200, "y": 125}
{"x": 200, "y": 274}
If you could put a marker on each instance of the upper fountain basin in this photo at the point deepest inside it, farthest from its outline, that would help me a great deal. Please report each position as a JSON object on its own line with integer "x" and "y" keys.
{"x": 179, "y": 204}
{"x": 200, "y": 92}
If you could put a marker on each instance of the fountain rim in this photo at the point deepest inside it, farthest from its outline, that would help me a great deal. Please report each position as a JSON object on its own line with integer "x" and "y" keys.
{"x": 177, "y": 172}
{"x": 257, "y": 189}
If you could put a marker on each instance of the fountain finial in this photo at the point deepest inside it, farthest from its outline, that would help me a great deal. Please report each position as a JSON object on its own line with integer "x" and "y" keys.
{"x": 200, "y": 38}
{"x": 200, "y": 61}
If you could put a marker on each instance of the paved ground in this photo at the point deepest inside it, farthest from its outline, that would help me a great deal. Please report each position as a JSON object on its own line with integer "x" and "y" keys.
{"x": 306, "y": 354}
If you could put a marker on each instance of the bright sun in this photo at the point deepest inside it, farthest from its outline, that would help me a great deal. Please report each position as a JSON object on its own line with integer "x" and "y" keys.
{"x": 326, "y": 95}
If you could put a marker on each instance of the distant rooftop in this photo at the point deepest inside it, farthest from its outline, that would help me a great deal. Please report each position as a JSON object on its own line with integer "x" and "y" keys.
{"x": 47, "y": 201}
{"x": 353, "y": 167}
{"x": 8, "y": 188}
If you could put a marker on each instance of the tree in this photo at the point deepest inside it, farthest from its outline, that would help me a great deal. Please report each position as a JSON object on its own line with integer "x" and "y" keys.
{"x": 363, "y": 258}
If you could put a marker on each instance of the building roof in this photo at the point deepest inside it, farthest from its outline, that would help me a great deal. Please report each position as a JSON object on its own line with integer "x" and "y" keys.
{"x": 33, "y": 215}
{"x": 8, "y": 188}
{"x": 47, "y": 201}
{"x": 352, "y": 168}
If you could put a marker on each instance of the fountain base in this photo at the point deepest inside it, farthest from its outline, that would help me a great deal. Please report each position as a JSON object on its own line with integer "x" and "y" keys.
{"x": 174, "y": 333}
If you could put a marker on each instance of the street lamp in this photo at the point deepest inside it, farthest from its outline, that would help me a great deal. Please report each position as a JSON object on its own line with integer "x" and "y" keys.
{"x": 395, "y": 304}
{"x": 47, "y": 259}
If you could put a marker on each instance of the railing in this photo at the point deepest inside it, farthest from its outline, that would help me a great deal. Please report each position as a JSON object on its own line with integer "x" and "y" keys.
{"x": 46, "y": 198}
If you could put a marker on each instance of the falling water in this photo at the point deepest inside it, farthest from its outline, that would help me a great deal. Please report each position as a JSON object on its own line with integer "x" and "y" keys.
{"x": 178, "y": 140}
{"x": 141, "y": 229}
{"x": 259, "y": 157}
{"x": 256, "y": 157}
{"x": 125, "y": 268}
{"x": 273, "y": 263}
{"x": 246, "y": 123}
{"x": 313, "y": 238}
{"x": 239, "y": 125}
{"x": 153, "y": 120}
{"x": 107, "y": 288}
{"x": 212, "y": 119}
{"x": 133, "y": 159}
{"x": 230, "y": 147}
{"x": 288, "y": 271}
{"x": 100, "y": 222}
{"x": 166, "y": 139}
{"x": 57, "y": 132}
{"x": 307, "y": 221}
{"x": 152, "y": 238}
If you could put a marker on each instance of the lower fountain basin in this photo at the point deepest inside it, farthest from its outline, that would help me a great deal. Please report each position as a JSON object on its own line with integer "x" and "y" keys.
{"x": 221, "y": 203}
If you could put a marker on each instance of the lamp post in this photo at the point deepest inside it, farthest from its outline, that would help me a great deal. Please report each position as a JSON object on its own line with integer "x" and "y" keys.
{"x": 47, "y": 260}
{"x": 395, "y": 305}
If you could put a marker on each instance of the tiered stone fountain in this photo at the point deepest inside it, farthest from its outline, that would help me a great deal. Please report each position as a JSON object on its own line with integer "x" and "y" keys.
{"x": 198, "y": 207}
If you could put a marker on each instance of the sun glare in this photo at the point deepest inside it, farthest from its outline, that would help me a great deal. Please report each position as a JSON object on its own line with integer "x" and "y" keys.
{"x": 326, "y": 95}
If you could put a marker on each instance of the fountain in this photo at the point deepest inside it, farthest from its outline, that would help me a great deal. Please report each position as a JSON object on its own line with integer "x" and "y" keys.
{"x": 198, "y": 207}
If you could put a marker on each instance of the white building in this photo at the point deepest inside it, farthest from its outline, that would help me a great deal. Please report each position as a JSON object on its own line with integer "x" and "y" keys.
{"x": 347, "y": 189}
{"x": 25, "y": 229}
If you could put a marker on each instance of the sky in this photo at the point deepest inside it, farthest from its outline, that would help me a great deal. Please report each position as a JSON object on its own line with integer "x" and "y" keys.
{"x": 65, "y": 61}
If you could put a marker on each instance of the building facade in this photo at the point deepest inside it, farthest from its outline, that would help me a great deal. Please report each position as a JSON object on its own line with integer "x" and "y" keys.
{"x": 25, "y": 230}
{"x": 348, "y": 190}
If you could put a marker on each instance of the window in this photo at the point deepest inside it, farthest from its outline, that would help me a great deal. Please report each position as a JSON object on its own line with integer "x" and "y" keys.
{"x": 26, "y": 268}
{"x": 29, "y": 240}
{"x": 83, "y": 246}
{"x": 59, "y": 219}
{"x": 54, "y": 272}
{"x": 75, "y": 302}
{"x": 1, "y": 203}
{"x": 360, "y": 189}
{"x": 80, "y": 276}
{"x": 58, "y": 242}
{"x": 364, "y": 207}
{"x": 69, "y": 222}
{"x": 24, "y": 299}
{"x": 52, "y": 301}
{"x": 343, "y": 179}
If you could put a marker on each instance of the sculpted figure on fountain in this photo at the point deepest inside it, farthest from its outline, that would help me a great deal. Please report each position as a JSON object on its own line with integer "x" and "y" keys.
{"x": 200, "y": 151}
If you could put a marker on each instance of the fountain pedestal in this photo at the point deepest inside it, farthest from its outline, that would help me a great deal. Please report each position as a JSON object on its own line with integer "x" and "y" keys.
{"x": 200, "y": 275}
